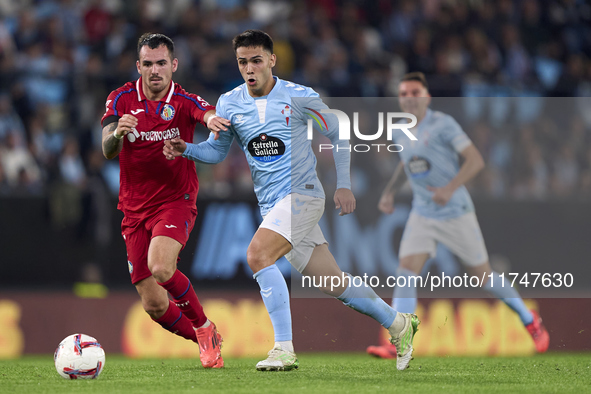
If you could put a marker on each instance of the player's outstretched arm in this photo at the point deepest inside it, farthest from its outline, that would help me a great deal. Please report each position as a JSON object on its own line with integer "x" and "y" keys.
{"x": 386, "y": 204}
{"x": 113, "y": 134}
{"x": 211, "y": 151}
{"x": 343, "y": 197}
{"x": 473, "y": 164}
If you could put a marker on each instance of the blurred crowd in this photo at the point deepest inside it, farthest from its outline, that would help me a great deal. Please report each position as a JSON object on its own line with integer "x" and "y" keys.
{"x": 59, "y": 59}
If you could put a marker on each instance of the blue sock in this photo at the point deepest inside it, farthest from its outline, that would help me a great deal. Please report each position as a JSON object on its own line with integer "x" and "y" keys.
{"x": 405, "y": 297}
{"x": 276, "y": 299}
{"x": 364, "y": 300}
{"x": 509, "y": 296}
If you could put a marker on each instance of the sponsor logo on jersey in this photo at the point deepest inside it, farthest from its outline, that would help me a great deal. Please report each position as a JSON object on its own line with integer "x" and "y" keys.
{"x": 419, "y": 167}
{"x": 266, "y": 148}
{"x": 167, "y": 112}
{"x": 155, "y": 135}
{"x": 240, "y": 119}
{"x": 137, "y": 111}
{"x": 133, "y": 135}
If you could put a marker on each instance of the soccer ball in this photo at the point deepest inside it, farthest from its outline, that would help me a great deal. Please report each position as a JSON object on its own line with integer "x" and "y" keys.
{"x": 79, "y": 356}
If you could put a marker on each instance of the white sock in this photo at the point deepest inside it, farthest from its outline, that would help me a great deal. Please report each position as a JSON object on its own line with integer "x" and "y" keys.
{"x": 398, "y": 325}
{"x": 285, "y": 345}
{"x": 207, "y": 323}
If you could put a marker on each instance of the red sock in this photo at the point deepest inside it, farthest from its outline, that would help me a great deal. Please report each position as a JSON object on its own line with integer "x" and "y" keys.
{"x": 176, "y": 322}
{"x": 179, "y": 287}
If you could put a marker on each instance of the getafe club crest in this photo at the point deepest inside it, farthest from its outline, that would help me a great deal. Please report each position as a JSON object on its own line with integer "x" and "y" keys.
{"x": 167, "y": 112}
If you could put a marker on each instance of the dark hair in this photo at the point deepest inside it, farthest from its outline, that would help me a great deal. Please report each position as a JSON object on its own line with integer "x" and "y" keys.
{"x": 416, "y": 76}
{"x": 253, "y": 38}
{"x": 153, "y": 41}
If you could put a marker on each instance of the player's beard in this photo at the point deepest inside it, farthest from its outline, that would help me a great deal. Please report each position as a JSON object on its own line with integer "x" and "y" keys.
{"x": 156, "y": 89}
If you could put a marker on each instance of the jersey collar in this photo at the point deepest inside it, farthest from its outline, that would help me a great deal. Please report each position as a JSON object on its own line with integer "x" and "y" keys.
{"x": 276, "y": 87}
{"x": 140, "y": 92}
{"x": 426, "y": 119}
{"x": 271, "y": 93}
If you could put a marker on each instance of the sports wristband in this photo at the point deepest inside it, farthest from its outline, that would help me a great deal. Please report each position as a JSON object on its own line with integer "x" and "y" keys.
{"x": 119, "y": 138}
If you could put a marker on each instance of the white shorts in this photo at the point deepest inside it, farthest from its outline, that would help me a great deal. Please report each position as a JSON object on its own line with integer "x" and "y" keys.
{"x": 461, "y": 235}
{"x": 296, "y": 218}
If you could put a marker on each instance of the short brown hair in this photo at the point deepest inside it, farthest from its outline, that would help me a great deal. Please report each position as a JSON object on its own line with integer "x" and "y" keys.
{"x": 153, "y": 41}
{"x": 416, "y": 76}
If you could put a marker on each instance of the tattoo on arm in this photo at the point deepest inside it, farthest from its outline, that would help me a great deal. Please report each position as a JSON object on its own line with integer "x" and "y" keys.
{"x": 111, "y": 145}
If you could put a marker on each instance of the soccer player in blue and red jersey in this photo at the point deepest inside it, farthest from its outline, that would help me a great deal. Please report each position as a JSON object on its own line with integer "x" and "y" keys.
{"x": 271, "y": 129}
{"x": 158, "y": 196}
{"x": 442, "y": 210}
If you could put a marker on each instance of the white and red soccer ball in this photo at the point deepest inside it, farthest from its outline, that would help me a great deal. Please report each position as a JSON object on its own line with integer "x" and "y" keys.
{"x": 79, "y": 356}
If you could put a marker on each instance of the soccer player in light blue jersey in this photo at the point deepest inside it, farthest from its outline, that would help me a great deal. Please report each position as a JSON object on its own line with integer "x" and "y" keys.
{"x": 272, "y": 132}
{"x": 442, "y": 210}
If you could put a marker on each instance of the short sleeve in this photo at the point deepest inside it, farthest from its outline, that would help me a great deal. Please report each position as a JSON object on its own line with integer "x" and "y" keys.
{"x": 454, "y": 135}
{"x": 220, "y": 109}
{"x": 113, "y": 109}
{"x": 200, "y": 107}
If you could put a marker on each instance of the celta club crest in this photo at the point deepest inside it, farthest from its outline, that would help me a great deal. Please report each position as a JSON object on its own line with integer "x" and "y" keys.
{"x": 287, "y": 112}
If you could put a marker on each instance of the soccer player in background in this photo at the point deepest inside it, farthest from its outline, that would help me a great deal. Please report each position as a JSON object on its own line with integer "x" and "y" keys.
{"x": 442, "y": 210}
{"x": 157, "y": 196}
{"x": 290, "y": 195}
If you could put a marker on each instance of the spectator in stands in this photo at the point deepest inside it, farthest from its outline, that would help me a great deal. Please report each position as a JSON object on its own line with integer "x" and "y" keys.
{"x": 57, "y": 57}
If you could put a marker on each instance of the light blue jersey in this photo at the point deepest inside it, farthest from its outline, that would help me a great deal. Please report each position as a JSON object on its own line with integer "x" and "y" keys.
{"x": 272, "y": 132}
{"x": 433, "y": 160}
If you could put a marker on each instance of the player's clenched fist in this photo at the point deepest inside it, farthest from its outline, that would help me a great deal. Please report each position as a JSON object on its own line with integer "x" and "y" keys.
{"x": 386, "y": 204}
{"x": 441, "y": 195}
{"x": 125, "y": 125}
{"x": 174, "y": 148}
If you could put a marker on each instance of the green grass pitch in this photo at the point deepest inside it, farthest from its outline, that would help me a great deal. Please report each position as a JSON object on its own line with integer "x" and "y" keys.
{"x": 318, "y": 373}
